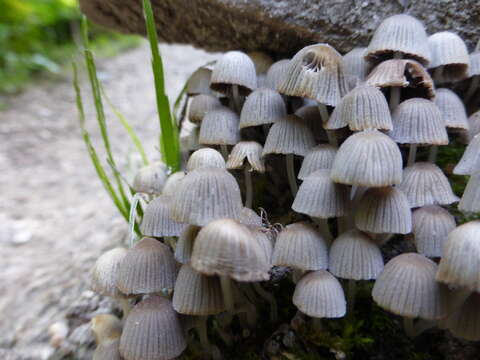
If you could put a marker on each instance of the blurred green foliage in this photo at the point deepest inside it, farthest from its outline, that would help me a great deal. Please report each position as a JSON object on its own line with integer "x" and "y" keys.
{"x": 38, "y": 36}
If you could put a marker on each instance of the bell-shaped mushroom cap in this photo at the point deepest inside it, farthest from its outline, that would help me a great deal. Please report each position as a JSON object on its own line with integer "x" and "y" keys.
{"x": 184, "y": 248}
{"x": 250, "y": 150}
{"x": 431, "y": 226}
{"x": 364, "y": 107}
{"x": 402, "y": 73}
{"x": 354, "y": 255}
{"x": 147, "y": 268}
{"x": 250, "y": 218}
{"x": 452, "y": 109}
{"x": 289, "y": 136}
{"x": 276, "y": 74}
{"x": 262, "y": 106}
{"x": 473, "y": 128}
{"x": 261, "y": 61}
{"x": 189, "y": 133}
{"x": 151, "y": 178}
{"x": 407, "y": 287}
{"x": 200, "y": 106}
{"x": 172, "y": 183}
{"x": 318, "y": 158}
{"x": 460, "y": 263}
{"x": 469, "y": 164}
{"x": 220, "y": 127}
{"x": 108, "y": 350}
{"x": 465, "y": 321}
{"x": 470, "y": 201}
{"x": 234, "y": 68}
{"x": 227, "y": 248}
{"x": 156, "y": 220}
{"x": 265, "y": 240}
{"x": 205, "y": 157}
{"x": 384, "y": 210}
{"x": 418, "y": 121}
{"x": 197, "y": 294}
{"x": 106, "y": 327}
{"x": 204, "y": 195}
{"x": 104, "y": 272}
{"x": 320, "y": 197}
{"x": 425, "y": 184}
{"x": 199, "y": 82}
{"x": 319, "y": 294}
{"x": 449, "y": 50}
{"x": 311, "y": 115}
{"x": 354, "y": 63}
{"x": 399, "y": 33}
{"x": 474, "y": 68}
{"x": 368, "y": 158}
{"x": 152, "y": 331}
{"x": 316, "y": 72}
{"x": 300, "y": 246}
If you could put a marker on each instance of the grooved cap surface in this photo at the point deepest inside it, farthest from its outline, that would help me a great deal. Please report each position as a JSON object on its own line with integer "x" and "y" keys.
{"x": 319, "y": 294}
{"x": 184, "y": 248}
{"x": 469, "y": 164}
{"x": 151, "y": 178}
{"x": 205, "y": 157}
{"x": 152, "y": 331}
{"x": 204, "y": 195}
{"x": 219, "y": 127}
{"x": 407, "y": 287}
{"x": 368, "y": 158}
{"x": 318, "y": 158}
{"x": 470, "y": 201}
{"x": 104, "y": 272}
{"x": 300, "y": 246}
{"x": 200, "y": 105}
{"x": 156, "y": 219}
{"x": 234, "y": 68}
{"x": 452, "y": 109}
{"x": 249, "y": 150}
{"x": 262, "y": 106}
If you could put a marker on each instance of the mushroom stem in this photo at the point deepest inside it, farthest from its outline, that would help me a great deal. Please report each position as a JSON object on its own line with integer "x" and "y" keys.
{"x": 409, "y": 327}
{"x": 324, "y": 229}
{"x": 224, "y": 151}
{"x": 201, "y": 327}
{"x": 248, "y": 187}
{"x": 317, "y": 324}
{"x": 332, "y": 138}
{"x": 432, "y": 154}
{"x": 237, "y": 101}
{"x": 472, "y": 88}
{"x": 351, "y": 292}
{"x": 170, "y": 240}
{"x": 226, "y": 284}
{"x": 457, "y": 299}
{"x": 297, "y": 275}
{"x": 437, "y": 75}
{"x": 412, "y": 154}
{"x": 394, "y": 97}
{"x": 224, "y": 321}
{"x": 292, "y": 181}
{"x": 125, "y": 306}
{"x": 270, "y": 299}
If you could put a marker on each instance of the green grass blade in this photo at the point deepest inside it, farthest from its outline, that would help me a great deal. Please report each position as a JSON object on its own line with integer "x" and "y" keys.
{"x": 101, "y": 119}
{"x": 128, "y": 128}
{"x": 102, "y": 175}
{"x": 169, "y": 131}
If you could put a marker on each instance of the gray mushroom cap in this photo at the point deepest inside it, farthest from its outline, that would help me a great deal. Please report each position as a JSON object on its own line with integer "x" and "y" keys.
{"x": 205, "y": 157}
{"x": 234, "y": 68}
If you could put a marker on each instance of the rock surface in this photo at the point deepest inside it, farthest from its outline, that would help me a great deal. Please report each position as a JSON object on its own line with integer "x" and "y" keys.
{"x": 280, "y": 27}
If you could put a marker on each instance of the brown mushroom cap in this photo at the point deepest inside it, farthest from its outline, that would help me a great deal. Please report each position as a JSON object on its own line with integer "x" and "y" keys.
{"x": 227, "y": 248}
{"x": 152, "y": 331}
{"x": 261, "y": 61}
{"x": 407, "y": 287}
{"x": 316, "y": 72}
{"x": 399, "y": 33}
{"x": 403, "y": 73}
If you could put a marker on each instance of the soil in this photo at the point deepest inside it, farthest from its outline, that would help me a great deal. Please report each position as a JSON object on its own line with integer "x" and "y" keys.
{"x": 55, "y": 216}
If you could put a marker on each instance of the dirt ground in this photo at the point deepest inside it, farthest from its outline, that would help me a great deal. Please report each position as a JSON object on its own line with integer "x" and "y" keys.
{"x": 55, "y": 216}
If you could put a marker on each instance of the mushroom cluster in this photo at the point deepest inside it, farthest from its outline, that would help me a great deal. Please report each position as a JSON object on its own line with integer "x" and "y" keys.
{"x": 361, "y": 133}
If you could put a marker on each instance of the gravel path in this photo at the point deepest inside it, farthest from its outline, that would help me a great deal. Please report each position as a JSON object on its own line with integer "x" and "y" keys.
{"x": 55, "y": 216}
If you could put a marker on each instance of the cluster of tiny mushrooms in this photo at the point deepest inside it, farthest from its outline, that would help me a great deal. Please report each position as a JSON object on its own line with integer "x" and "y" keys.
{"x": 355, "y": 120}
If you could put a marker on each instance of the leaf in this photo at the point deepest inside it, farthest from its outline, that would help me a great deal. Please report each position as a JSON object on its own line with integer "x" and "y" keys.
{"x": 169, "y": 143}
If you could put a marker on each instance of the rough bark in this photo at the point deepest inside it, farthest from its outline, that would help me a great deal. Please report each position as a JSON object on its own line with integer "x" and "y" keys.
{"x": 280, "y": 27}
